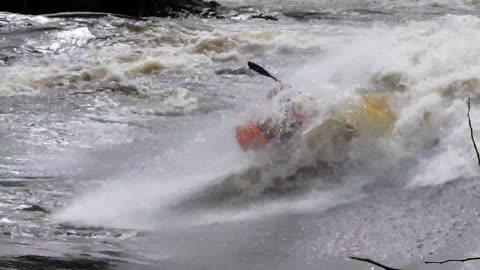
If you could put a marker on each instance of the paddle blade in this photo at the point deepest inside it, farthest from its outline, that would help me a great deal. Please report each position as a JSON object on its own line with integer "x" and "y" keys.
{"x": 261, "y": 70}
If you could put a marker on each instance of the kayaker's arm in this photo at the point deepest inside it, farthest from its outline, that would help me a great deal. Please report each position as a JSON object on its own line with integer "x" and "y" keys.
{"x": 272, "y": 93}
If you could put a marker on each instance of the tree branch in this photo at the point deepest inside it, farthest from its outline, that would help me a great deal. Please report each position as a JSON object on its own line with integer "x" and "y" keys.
{"x": 454, "y": 260}
{"x": 374, "y": 263}
{"x": 471, "y": 131}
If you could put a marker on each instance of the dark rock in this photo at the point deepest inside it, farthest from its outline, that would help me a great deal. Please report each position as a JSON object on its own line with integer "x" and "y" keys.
{"x": 209, "y": 13}
{"x": 43, "y": 262}
{"x": 87, "y": 15}
{"x": 4, "y": 58}
{"x": 310, "y": 15}
{"x": 139, "y": 8}
{"x": 213, "y": 4}
{"x": 265, "y": 17}
{"x": 67, "y": 226}
{"x": 35, "y": 208}
{"x": 184, "y": 8}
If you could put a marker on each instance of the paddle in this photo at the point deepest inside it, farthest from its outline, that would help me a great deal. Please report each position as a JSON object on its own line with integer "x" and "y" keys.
{"x": 260, "y": 70}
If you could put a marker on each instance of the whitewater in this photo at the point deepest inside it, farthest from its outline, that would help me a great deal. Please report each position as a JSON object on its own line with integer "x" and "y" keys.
{"x": 118, "y": 145}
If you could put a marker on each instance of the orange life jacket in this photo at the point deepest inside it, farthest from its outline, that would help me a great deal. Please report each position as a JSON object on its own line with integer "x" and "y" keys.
{"x": 250, "y": 135}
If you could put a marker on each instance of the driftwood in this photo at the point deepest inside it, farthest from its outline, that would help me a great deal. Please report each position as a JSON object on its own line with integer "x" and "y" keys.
{"x": 374, "y": 263}
{"x": 471, "y": 131}
{"x": 426, "y": 262}
{"x": 454, "y": 260}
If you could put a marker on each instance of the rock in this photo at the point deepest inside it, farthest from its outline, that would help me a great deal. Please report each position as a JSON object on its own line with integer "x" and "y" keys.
{"x": 310, "y": 15}
{"x": 4, "y": 59}
{"x": 265, "y": 17}
{"x": 139, "y": 8}
{"x": 35, "y": 208}
{"x": 213, "y": 4}
{"x": 133, "y": 10}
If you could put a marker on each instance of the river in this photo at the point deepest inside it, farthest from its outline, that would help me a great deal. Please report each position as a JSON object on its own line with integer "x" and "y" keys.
{"x": 113, "y": 132}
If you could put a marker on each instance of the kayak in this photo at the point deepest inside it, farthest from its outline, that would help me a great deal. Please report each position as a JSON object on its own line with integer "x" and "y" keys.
{"x": 372, "y": 118}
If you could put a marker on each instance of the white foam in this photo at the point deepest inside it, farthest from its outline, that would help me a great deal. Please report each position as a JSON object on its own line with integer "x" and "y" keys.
{"x": 430, "y": 127}
{"x": 131, "y": 200}
{"x": 430, "y": 56}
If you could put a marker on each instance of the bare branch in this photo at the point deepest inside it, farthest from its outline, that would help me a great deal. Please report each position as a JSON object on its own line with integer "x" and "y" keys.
{"x": 454, "y": 260}
{"x": 374, "y": 263}
{"x": 471, "y": 131}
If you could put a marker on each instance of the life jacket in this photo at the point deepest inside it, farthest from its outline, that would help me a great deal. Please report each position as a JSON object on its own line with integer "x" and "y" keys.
{"x": 250, "y": 135}
{"x": 256, "y": 135}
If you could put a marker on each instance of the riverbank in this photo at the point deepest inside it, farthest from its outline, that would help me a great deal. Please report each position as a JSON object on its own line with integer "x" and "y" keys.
{"x": 141, "y": 8}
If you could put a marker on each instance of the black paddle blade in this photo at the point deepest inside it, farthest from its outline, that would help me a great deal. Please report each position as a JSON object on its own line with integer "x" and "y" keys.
{"x": 260, "y": 70}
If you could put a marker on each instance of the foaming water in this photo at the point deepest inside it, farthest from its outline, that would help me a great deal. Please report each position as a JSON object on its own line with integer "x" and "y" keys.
{"x": 131, "y": 125}
{"x": 149, "y": 194}
{"x": 84, "y": 59}
{"x": 426, "y": 143}
{"x": 417, "y": 67}
{"x": 141, "y": 195}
